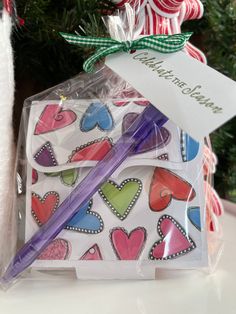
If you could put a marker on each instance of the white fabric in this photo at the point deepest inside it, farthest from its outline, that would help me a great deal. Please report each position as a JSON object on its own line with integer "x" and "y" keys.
{"x": 6, "y": 134}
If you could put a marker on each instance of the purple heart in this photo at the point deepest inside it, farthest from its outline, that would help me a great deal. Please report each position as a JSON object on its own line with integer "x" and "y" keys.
{"x": 158, "y": 138}
{"x": 45, "y": 156}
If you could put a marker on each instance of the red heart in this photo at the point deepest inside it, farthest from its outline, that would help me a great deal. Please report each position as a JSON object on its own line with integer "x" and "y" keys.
{"x": 43, "y": 208}
{"x": 174, "y": 240}
{"x": 128, "y": 246}
{"x": 54, "y": 118}
{"x": 167, "y": 185}
{"x": 93, "y": 151}
{"x": 58, "y": 249}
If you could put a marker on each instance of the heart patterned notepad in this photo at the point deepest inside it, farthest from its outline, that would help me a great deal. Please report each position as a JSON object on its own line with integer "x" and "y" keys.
{"x": 150, "y": 213}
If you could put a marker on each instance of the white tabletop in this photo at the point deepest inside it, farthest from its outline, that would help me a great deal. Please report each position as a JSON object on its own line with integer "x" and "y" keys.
{"x": 189, "y": 292}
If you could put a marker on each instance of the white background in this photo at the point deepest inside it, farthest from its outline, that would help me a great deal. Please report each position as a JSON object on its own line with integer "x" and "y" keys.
{"x": 187, "y": 292}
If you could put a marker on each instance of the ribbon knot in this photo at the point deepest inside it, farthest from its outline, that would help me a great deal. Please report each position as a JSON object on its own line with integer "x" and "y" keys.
{"x": 127, "y": 46}
{"x": 107, "y": 46}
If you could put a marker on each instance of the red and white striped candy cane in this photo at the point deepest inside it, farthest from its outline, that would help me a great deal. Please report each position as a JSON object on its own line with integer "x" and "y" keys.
{"x": 210, "y": 161}
{"x": 166, "y": 8}
{"x": 194, "y": 52}
{"x": 214, "y": 207}
{"x": 157, "y": 15}
{"x": 190, "y": 49}
{"x": 155, "y": 23}
{"x": 190, "y": 10}
{"x": 153, "y": 14}
{"x": 134, "y": 3}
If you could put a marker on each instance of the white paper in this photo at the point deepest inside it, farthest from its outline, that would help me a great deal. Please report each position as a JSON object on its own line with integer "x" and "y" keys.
{"x": 194, "y": 96}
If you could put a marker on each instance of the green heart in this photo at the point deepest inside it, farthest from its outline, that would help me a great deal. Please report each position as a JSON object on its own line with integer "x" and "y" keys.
{"x": 68, "y": 177}
{"x": 121, "y": 198}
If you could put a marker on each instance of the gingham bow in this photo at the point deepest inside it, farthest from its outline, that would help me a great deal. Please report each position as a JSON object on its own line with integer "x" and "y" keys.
{"x": 107, "y": 46}
{"x": 165, "y": 17}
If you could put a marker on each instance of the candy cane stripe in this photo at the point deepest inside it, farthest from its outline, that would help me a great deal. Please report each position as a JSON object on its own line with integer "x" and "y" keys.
{"x": 166, "y": 8}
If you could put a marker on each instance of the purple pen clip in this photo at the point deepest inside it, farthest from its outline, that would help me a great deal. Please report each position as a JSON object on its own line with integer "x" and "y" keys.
{"x": 126, "y": 145}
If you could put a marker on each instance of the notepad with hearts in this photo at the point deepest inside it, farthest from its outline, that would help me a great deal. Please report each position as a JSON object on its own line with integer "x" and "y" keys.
{"x": 150, "y": 214}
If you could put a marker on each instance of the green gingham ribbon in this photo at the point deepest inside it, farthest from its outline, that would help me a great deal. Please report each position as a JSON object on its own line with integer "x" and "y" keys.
{"x": 108, "y": 46}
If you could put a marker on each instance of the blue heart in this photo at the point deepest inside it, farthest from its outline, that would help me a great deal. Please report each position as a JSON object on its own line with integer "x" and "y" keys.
{"x": 189, "y": 147}
{"x": 194, "y": 216}
{"x": 86, "y": 221}
{"x": 97, "y": 115}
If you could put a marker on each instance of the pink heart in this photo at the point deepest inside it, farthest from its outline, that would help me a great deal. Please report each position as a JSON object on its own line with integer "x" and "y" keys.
{"x": 142, "y": 102}
{"x": 121, "y": 103}
{"x": 128, "y": 246}
{"x": 34, "y": 176}
{"x": 93, "y": 254}
{"x": 174, "y": 240}
{"x": 53, "y": 118}
{"x": 58, "y": 249}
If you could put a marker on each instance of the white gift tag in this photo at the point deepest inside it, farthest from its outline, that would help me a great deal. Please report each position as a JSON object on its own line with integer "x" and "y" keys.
{"x": 194, "y": 96}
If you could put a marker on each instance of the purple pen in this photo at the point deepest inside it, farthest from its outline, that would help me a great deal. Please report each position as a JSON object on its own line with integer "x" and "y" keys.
{"x": 81, "y": 195}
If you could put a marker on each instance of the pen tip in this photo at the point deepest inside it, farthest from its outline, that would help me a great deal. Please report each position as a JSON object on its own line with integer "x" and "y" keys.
{"x": 7, "y": 278}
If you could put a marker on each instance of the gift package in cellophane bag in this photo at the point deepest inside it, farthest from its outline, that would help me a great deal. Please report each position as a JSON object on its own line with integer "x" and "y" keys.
{"x": 107, "y": 186}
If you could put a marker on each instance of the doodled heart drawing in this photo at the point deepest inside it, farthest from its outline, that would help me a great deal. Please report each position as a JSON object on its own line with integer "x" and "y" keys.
{"x": 142, "y": 102}
{"x": 120, "y": 103}
{"x": 35, "y": 176}
{"x": 95, "y": 150}
{"x": 97, "y": 115}
{"x": 128, "y": 246}
{"x": 43, "y": 208}
{"x": 189, "y": 147}
{"x": 167, "y": 185}
{"x": 194, "y": 215}
{"x": 45, "y": 156}
{"x": 121, "y": 198}
{"x": 93, "y": 254}
{"x": 58, "y": 249}
{"x": 53, "y": 118}
{"x": 86, "y": 221}
{"x": 174, "y": 241}
{"x": 68, "y": 177}
{"x": 157, "y": 139}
